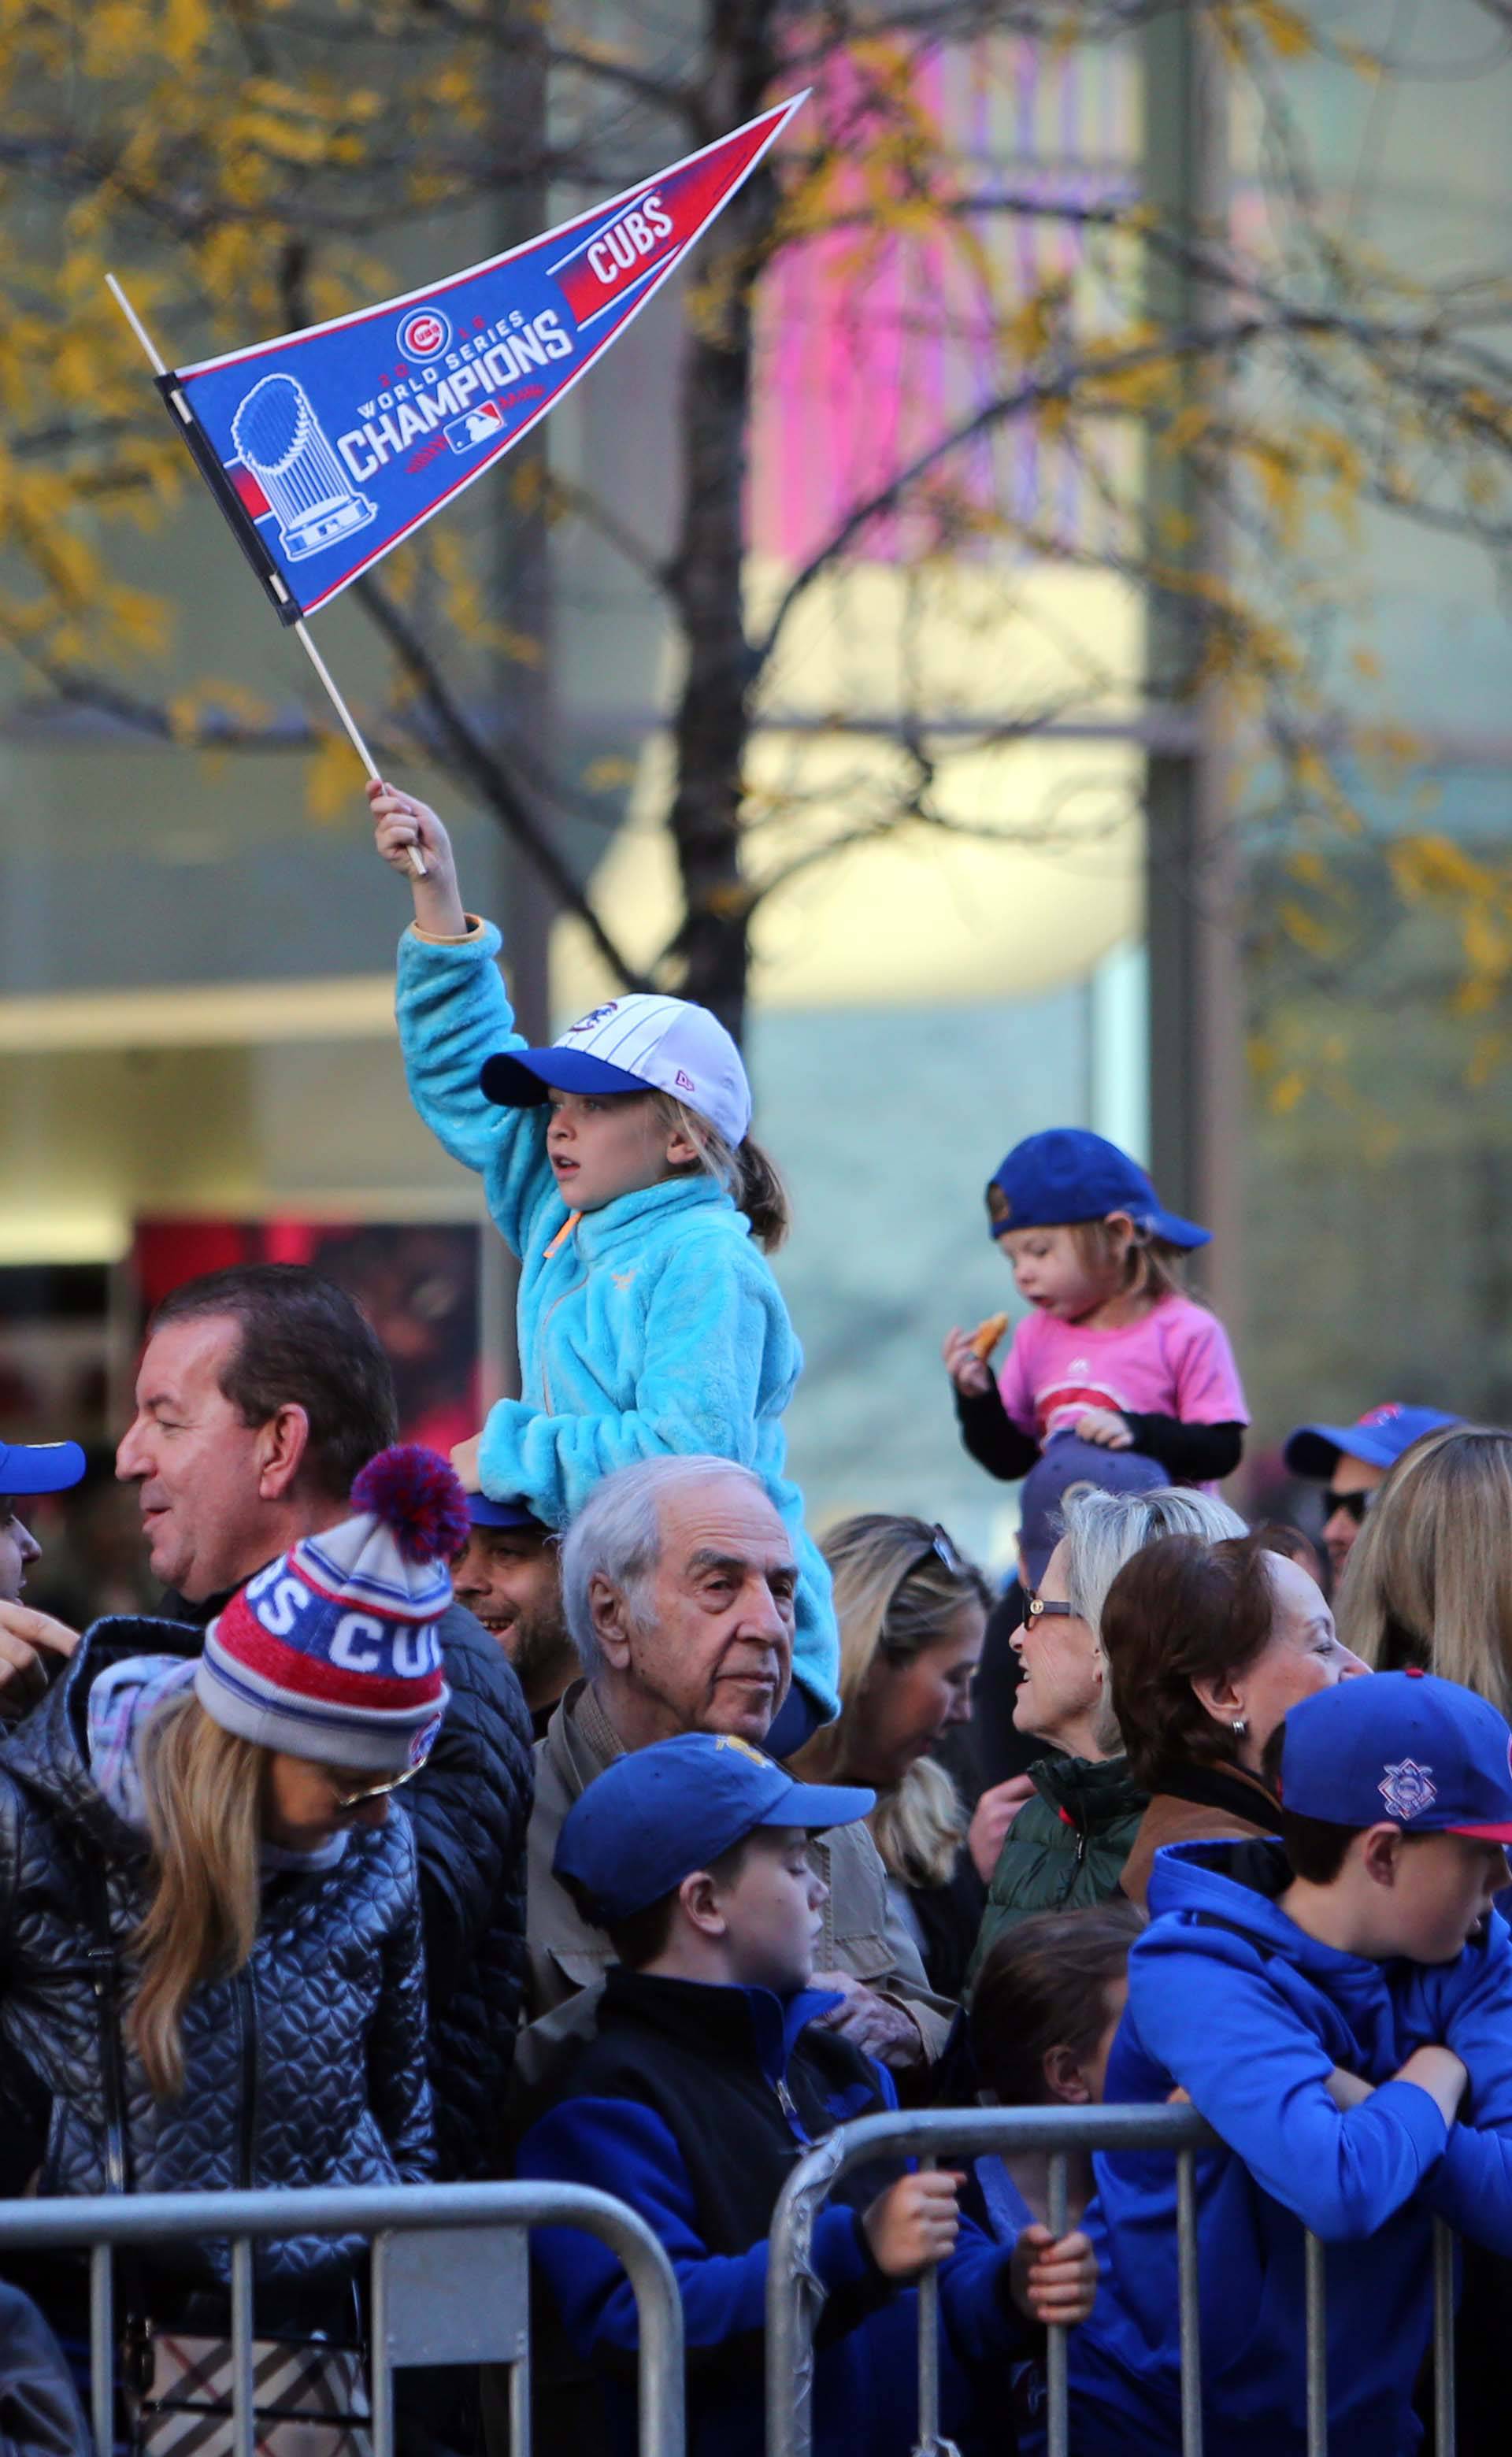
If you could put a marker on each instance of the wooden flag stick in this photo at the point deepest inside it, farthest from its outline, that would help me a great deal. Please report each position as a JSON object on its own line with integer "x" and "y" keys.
{"x": 156, "y": 361}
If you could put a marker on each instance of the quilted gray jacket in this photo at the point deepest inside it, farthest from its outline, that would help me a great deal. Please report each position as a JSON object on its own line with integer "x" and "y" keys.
{"x": 308, "y": 2067}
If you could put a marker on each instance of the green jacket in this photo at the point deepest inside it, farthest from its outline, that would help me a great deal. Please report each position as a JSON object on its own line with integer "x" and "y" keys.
{"x": 1065, "y": 1849}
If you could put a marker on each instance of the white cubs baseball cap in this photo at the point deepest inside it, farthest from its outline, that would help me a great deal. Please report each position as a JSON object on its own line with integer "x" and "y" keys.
{"x": 633, "y": 1044}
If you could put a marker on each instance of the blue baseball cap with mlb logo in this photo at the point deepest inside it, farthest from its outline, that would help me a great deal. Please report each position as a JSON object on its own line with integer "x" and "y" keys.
{"x": 1403, "y": 1749}
{"x": 633, "y": 1045}
{"x": 657, "y": 1814}
{"x": 39, "y": 1467}
{"x": 1066, "y": 1174}
{"x": 1378, "y": 1438}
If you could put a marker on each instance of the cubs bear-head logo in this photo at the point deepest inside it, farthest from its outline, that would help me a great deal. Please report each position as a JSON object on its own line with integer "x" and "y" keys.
{"x": 1406, "y": 1789}
{"x": 594, "y": 1015}
{"x": 729, "y": 1741}
{"x": 425, "y": 334}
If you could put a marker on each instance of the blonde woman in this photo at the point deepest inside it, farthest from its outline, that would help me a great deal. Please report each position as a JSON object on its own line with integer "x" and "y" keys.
{"x": 1429, "y": 1581}
{"x": 215, "y": 1838}
{"x": 912, "y": 1616}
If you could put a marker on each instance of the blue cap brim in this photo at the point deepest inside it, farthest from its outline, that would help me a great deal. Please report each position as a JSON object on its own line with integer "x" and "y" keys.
{"x": 521, "y": 1078}
{"x": 816, "y": 1806}
{"x": 40, "y": 1467}
{"x": 484, "y": 1512}
{"x": 1176, "y": 1232}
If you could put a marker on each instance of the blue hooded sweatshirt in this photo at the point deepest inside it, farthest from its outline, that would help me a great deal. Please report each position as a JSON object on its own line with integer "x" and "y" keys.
{"x": 1248, "y": 2014}
{"x": 650, "y": 1326}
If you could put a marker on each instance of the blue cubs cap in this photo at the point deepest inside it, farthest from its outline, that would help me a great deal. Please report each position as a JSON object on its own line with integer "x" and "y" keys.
{"x": 1404, "y": 1746}
{"x": 39, "y": 1467}
{"x": 1066, "y": 1174}
{"x": 484, "y": 1512}
{"x": 1378, "y": 1438}
{"x": 1064, "y": 1462}
{"x": 657, "y": 1814}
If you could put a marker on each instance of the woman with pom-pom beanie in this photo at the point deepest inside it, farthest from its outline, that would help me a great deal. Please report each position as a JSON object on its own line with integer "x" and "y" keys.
{"x": 221, "y": 1827}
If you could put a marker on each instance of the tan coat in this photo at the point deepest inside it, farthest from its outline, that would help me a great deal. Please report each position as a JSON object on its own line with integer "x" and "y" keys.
{"x": 1217, "y": 1810}
{"x": 567, "y": 1958}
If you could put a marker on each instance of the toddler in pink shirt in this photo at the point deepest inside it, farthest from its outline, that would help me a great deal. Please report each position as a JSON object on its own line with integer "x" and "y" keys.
{"x": 1112, "y": 1349}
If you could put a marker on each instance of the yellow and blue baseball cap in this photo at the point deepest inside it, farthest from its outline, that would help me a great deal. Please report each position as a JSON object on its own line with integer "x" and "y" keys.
{"x": 39, "y": 1467}
{"x": 1406, "y": 1747}
{"x": 1052, "y": 1180}
{"x": 657, "y": 1814}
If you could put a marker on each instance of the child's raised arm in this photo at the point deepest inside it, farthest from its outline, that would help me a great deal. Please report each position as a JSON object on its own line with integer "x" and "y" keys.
{"x": 398, "y": 822}
{"x": 454, "y": 1014}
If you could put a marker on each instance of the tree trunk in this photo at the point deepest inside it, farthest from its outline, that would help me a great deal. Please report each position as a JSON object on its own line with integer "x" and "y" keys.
{"x": 710, "y": 722}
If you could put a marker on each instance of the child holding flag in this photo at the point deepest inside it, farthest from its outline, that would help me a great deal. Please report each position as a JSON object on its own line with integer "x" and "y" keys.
{"x": 620, "y": 1168}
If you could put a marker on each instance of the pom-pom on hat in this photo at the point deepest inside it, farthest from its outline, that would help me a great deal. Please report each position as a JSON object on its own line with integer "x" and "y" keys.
{"x": 331, "y": 1653}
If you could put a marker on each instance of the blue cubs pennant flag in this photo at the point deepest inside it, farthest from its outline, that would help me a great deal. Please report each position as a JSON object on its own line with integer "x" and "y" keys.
{"x": 325, "y": 447}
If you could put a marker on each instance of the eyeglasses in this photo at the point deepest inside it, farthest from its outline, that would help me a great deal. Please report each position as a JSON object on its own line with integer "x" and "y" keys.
{"x": 1354, "y": 1503}
{"x": 369, "y": 1790}
{"x": 1042, "y": 1610}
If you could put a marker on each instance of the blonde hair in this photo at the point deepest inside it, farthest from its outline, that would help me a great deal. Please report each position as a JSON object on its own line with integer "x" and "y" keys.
{"x": 748, "y": 1175}
{"x": 896, "y": 1596}
{"x": 1429, "y": 1577}
{"x": 203, "y": 1790}
{"x": 1152, "y": 1268}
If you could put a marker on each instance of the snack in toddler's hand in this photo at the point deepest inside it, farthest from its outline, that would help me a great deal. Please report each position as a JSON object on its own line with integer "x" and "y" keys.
{"x": 986, "y": 1335}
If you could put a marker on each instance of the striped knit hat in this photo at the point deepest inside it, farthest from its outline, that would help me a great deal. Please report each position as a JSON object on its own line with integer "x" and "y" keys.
{"x": 331, "y": 1653}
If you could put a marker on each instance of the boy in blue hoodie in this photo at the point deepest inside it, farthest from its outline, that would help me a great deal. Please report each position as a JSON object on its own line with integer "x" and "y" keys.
{"x": 709, "y": 2079}
{"x": 1338, "y": 2006}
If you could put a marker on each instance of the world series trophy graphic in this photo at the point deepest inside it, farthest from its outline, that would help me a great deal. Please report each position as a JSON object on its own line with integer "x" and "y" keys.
{"x": 285, "y": 445}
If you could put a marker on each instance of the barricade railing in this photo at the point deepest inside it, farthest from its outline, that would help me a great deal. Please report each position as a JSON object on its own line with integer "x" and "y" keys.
{"x": 450, "y": 2277}
{"x": 795, "y": 2295}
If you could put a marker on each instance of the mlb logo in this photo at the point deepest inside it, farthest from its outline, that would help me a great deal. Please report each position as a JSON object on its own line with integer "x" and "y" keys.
{"x": 480, "y": 426}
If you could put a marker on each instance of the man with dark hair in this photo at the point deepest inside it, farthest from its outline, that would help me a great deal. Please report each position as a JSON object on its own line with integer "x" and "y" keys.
{"x": 511, "y": 1576}
{"x": 261, "y": 1393}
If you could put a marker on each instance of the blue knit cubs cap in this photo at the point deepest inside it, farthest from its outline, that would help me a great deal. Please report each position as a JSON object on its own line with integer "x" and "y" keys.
{"x": 1066, "y": 1174}
{"x": 658, "y": 1813}
{"x": 1428, "y": 1755}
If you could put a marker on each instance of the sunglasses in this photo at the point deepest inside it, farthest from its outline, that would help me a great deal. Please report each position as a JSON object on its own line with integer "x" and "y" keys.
{"x": 1354, "y": 1503}
{"x": 939, "y": 1549}
{"x": 369, "y": 1790}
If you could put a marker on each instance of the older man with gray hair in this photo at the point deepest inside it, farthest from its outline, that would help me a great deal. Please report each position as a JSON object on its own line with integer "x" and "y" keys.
{"x": 679, "y": 1579}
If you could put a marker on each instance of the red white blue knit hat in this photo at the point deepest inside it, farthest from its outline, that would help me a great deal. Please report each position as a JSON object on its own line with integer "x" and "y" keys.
{"x": 331, "y": 1653}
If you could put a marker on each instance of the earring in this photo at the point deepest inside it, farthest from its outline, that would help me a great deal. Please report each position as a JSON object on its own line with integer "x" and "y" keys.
{"x": 1240, "y": 1728}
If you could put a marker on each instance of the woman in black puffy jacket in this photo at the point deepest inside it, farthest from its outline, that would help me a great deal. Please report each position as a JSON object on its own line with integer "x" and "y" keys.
{"x": 214, "y": 1843}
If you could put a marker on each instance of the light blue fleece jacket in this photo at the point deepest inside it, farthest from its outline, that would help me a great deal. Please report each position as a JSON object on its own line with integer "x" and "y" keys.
{"x": 655, "y": 1326}
{"x": 1248, "y": 2014}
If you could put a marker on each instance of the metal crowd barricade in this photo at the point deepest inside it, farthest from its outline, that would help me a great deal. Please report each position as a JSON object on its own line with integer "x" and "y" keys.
{"x": 449, "y": 2276}
{"x": 795, "y": 2295}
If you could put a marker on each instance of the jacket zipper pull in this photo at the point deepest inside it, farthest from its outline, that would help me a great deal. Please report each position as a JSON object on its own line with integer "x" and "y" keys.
{"x": 786, "y": 2100}
{"x": 562, "y": 1235}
